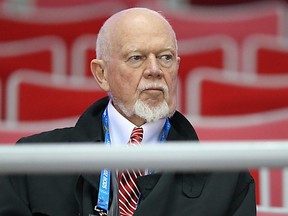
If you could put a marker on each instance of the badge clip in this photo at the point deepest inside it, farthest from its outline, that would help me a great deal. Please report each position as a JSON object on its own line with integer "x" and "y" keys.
{"x": 102, "y": 212}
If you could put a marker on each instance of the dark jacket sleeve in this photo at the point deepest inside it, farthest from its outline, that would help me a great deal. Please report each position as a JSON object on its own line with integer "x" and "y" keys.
{"x": 13, "y": 198}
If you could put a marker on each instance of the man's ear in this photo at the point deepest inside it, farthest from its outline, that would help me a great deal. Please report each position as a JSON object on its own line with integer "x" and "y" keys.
{"x": 100, "y": 74}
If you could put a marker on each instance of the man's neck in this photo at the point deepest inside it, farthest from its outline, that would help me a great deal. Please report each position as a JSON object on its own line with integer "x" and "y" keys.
{"x": 134, "y": 119}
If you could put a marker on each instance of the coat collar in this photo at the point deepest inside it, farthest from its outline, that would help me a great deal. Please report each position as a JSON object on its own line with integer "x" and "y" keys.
{"x": 91, "y": 120}
{"x": 181, "y": 129}
{"x": 89, "y": 125}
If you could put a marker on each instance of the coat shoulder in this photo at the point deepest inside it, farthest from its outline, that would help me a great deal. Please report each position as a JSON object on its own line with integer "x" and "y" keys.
{"x": 181, "y": 128}
{"x": 56, "y": 135}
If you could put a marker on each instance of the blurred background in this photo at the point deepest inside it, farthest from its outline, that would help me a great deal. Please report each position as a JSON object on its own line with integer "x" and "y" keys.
{"x": 233, "y": 78}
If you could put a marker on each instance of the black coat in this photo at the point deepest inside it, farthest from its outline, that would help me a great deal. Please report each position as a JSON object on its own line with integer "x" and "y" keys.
{"x": 163, "y": 194}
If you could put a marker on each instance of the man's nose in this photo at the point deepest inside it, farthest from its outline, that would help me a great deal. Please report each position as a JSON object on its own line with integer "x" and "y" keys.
{"x": 153, "y": 68}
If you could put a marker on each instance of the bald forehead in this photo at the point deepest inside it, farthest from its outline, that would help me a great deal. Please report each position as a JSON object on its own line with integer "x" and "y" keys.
{"x": 132, "y": 18}
{"x": 133, "y": 13}
{"x": 131, "y": 22}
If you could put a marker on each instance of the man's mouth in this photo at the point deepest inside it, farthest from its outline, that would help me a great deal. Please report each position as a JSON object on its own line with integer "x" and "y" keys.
{"x": 154, "y": 89}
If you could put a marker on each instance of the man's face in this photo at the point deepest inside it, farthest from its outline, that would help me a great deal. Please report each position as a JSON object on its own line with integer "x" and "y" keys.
{"x": 143, "y": 67}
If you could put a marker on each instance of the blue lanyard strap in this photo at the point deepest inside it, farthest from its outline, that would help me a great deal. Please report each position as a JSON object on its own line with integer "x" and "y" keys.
{"x": 104, "y": 186}
{"x": 165, "y": 130}
{"x": 103, "y": 194}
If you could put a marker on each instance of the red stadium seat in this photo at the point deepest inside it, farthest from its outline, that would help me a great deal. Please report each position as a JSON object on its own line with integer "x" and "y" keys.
{"x": 212, "y": 93}
{"x": 33, "y": 96}
{"x": 82, "y": 52}
{"x": 213, "y": 51}
{"x": 260, "y": 126}
{"x": 236, "y": 22}
{"x": 49, "y": 51}
{"x": 265, "y": 55}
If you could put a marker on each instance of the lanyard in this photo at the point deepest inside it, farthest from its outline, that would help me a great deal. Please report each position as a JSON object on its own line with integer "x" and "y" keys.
{"x": 104, "y": 186}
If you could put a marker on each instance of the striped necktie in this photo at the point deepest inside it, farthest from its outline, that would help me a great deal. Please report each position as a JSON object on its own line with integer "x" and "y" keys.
{"x": 128, "y": 190}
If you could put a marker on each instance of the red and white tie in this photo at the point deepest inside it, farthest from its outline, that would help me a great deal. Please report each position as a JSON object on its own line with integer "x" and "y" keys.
{"x": 128, "y": 190}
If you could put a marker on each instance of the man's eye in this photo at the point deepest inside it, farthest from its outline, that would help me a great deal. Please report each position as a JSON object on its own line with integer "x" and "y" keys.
{"x": 135, "y": 58}
{"x": 166, "y": 57}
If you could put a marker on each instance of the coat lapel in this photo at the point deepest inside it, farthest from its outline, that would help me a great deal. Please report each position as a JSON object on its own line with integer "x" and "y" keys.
{"x": 147, "y": 183}
{"x": 155, "y": 190}
{"x": 89, "y": 129}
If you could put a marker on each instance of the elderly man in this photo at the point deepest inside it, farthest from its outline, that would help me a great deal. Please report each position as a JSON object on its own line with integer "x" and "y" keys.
{"x": 137, "y": 65}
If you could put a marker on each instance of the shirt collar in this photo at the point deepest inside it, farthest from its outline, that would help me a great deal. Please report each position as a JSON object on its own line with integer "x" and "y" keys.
{"x": 120, "y": 128}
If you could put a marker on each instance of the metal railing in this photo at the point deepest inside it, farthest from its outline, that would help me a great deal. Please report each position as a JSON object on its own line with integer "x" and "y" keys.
{"x": 181, "y": 156}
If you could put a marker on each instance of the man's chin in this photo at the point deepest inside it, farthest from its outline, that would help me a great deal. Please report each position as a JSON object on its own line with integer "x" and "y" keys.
{"x": 153, "y": 103}
{"x": 151, "y": 112}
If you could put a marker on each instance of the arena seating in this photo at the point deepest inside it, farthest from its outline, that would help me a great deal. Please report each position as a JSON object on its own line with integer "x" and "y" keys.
{"x": 214, "y": 93}
{"x": 266, "y": 55}
{"x": 33, "y": 96}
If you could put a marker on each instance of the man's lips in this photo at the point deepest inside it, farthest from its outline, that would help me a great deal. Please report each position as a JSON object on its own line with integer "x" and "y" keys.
{"x": 153, "y": 93}
{"x": 154, "y": 89}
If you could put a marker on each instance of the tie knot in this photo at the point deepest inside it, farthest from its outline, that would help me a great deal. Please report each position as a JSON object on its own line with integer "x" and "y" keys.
{"x": 136, "y": 135}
